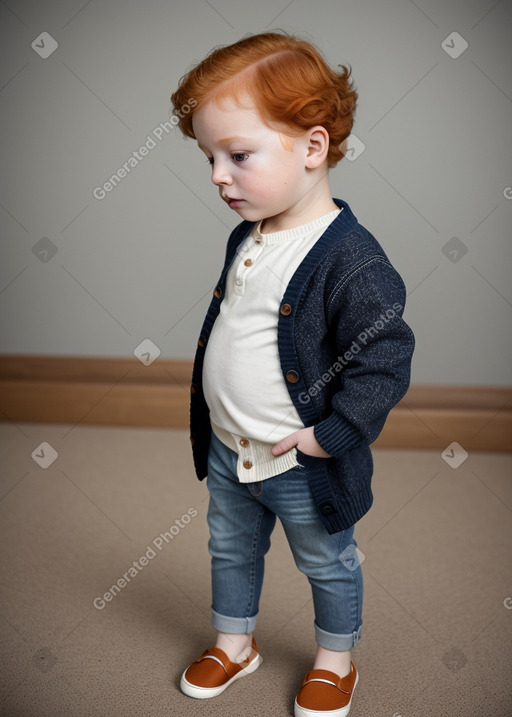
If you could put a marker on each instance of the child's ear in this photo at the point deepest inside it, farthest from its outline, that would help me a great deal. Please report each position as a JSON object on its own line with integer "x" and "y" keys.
{"x": 318, "y": 147}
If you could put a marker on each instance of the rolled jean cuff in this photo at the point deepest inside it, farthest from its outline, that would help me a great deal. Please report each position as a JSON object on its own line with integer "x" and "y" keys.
{"x": 339, "y": 643}
{"x": 234, "y": 625}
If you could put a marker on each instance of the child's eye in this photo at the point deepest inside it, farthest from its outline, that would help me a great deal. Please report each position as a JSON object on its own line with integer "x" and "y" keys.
{"x": 239, "y": 156}
{"x": 209, "y": 160}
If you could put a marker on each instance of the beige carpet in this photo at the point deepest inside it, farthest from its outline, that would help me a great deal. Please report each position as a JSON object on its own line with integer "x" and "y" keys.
{"x": 438, "y": 588}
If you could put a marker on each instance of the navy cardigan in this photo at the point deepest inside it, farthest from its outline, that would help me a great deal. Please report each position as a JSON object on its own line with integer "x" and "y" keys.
{"x": 345, "y": 355}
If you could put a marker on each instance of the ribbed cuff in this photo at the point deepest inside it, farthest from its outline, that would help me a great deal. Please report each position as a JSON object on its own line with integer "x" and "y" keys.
{"x": 336, "y": 436}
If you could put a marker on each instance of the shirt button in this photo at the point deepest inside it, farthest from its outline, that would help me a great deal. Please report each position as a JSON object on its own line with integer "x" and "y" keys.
{"x": 239, "y": 282}
{"x": 292, "y": 376}
{"x": 244, "y": 442}
{"x": 286, "y": 309}
{"x": 247, "y": 464}
{"x": 248, "y": 262}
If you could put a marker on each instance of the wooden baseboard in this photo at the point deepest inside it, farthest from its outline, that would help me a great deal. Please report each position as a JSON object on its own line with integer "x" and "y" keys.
{"x": 124, "y": 392}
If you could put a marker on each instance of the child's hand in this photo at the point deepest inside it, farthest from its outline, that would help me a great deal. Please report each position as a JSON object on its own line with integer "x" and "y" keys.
{"x": 304, "y": 440}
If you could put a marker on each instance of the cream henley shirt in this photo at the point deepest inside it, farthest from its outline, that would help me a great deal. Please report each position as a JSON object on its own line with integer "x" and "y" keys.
{"x": 250, "y": 408}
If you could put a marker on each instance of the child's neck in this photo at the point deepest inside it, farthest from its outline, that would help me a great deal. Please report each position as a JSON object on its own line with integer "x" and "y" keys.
{"x": 280, "y": 223}
{"x": 317, "y": 202}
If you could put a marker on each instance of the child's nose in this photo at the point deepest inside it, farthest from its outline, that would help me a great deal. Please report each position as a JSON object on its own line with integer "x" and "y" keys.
{"x": 220, "y": 174}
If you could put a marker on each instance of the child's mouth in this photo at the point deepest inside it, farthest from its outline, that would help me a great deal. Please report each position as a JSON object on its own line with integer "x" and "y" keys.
{"x": 233, "y": 203}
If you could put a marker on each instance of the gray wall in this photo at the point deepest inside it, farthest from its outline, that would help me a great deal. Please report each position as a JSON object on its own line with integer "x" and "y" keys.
{"x": 87, "y": 276}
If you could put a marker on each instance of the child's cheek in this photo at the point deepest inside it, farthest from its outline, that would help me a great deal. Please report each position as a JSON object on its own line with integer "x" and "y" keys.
{"x": 261, "y": 184}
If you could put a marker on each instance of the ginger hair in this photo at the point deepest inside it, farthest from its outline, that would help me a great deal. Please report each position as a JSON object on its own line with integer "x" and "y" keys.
{"x": 291, "y": 84}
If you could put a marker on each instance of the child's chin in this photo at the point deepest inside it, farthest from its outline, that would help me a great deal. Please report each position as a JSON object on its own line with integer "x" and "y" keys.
{"x": 248, "y": 213}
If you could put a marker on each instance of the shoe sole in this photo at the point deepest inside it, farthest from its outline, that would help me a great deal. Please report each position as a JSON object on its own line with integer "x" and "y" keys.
{"x": 203, "y": 693}
{"x": 342, "y": 712}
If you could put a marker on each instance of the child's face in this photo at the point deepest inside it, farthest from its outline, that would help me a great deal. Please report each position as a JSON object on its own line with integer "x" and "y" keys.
{"x": 260, "y": 172}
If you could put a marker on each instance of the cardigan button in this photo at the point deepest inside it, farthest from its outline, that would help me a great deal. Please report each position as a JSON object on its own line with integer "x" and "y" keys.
{"x": 217, "y": 292}
{"x": 248, "y": 262}
{"x": 244, "y": 442}
{"x": 286, "y": 309}
{"x": 191, "y": 441}
{"x": 328, "y": 509}
{"x": 201, "y": 343}
{"x": 192, "y": 388}
{"x": 292, "y": 376}
{"x": 247, "y": 465}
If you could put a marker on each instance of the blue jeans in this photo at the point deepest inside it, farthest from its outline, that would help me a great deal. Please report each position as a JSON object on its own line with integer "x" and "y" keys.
{"x": 241, "y": 517}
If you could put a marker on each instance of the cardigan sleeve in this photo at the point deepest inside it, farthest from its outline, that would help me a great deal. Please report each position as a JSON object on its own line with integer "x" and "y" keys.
{"x": 375, "y": 346}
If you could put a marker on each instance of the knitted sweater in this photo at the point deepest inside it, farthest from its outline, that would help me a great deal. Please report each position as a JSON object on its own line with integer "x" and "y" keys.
{"x": 345, "y": 354}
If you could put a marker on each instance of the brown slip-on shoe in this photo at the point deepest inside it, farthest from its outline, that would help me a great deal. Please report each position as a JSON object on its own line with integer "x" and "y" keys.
{"x": 324, "y": 693}
{"x": 211, "y": 673}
